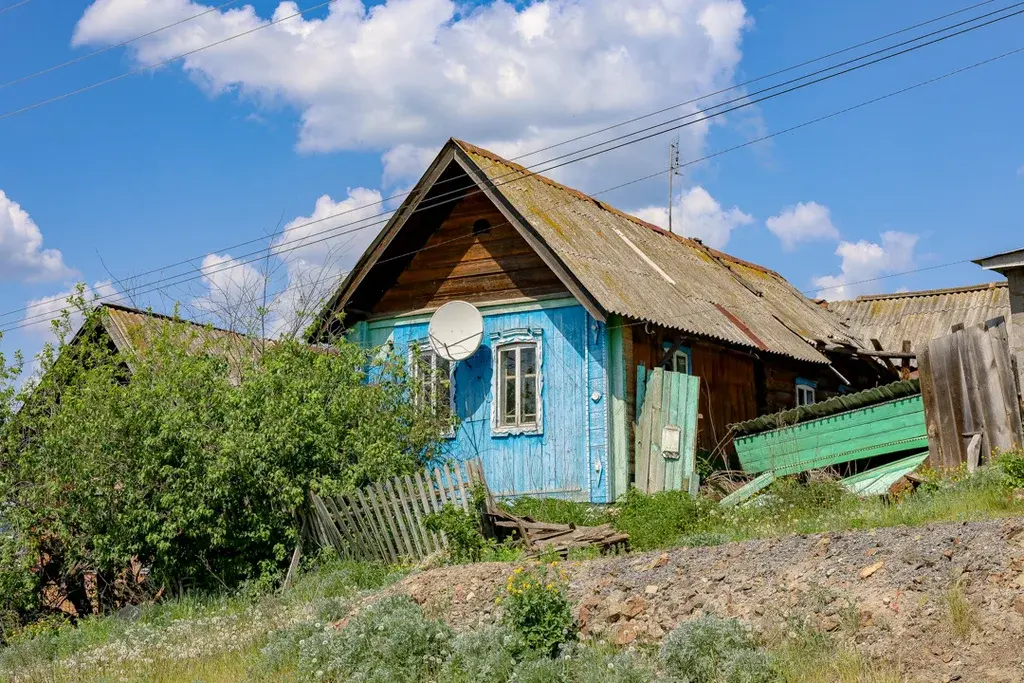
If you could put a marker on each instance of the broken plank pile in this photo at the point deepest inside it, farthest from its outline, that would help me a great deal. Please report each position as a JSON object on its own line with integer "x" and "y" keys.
{"x": 543, "y": 537}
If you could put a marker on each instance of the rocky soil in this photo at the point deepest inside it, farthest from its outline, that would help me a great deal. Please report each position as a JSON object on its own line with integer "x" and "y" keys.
{"x": 887, "y": 591}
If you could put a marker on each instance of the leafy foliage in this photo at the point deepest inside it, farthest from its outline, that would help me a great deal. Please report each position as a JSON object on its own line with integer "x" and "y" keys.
{"x": 537, "y": 608}
{"x": 462, "y": 529}
{"x": 1012, "y": 463}
{"x": 186, "y": 457}
{"x": 660, "y": 519}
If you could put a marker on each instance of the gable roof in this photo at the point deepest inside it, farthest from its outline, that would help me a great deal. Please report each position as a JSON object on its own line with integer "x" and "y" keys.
{"x": 615, "y": 263}
{"x": 923, "y": 315}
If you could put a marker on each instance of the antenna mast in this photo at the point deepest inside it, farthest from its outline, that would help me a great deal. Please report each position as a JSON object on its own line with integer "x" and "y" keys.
{"x": 673, "y": 171}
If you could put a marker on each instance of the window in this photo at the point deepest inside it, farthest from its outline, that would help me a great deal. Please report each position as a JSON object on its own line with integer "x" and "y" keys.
{"x": 517, "y": 393}
{"x": 805, "y": 391}
{"x": 679, "y": 361}
{"x": 432, "y": 376}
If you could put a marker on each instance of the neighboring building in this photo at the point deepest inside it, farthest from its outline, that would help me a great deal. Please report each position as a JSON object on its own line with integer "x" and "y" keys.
{"x": 1011, "y": 264}
{"x": 919, "y": 317}
{"x": 574, "y": 295}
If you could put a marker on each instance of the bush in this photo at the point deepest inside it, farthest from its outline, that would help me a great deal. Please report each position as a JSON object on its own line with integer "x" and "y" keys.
{"x": 661, "y": 519}
{"x": 537, "y": 609}
{"x": 388, "y": 642}
{"x": 558, "y": 511}
{"x": 462, "y": 531}
{"x": 715, "y": 650}
{"x": 1012, "y": 464}
{"x": 192, "y": 463}
{"x": 487, "y": 656}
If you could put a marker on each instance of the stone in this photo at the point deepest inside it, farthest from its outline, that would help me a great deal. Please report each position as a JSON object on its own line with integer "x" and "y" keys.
{"x": 829, "y": 623}
{"x": 871, "y": 569}
{"x": 624, "y": 635}
{"x": 659, "y": 561}
{"x": 651, "y": 589}
{"x": 1018, "y": 605}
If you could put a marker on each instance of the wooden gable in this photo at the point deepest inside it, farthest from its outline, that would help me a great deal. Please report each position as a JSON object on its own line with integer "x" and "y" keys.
{"x": 456, "y": 245}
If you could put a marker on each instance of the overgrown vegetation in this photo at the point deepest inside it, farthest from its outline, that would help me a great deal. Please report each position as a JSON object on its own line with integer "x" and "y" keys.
{"x": 179, "y": 466}
{"x": 536, "y": 608}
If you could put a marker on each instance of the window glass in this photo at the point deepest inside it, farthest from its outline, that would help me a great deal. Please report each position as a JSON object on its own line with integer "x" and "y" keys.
{"x": 518, "y": 399}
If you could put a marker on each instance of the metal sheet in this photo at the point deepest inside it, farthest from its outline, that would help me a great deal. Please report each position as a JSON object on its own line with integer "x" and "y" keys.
{"x": 878, "y": 480}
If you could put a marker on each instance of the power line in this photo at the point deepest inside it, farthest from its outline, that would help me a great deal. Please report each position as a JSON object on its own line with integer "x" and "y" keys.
{"x": 190, "y": 261}
{"x": 27, "y": 322}
{"x": 17, "y": 4}
{"x": 82, "y": 58}
{"x": 164, "y": 62}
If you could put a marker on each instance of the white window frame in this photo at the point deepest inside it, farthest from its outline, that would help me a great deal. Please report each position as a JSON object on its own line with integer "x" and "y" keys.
{"x": 419, "y": 352}
{"x": 806, "y": 392}
{"x": 505, "y": 341}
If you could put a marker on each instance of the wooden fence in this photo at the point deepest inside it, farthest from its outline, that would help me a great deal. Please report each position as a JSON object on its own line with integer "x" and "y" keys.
{"x": 384, "y": 521}
{"x": 970, "y": 395}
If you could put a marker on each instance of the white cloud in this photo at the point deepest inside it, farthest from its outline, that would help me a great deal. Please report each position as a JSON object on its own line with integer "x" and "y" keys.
{"x": 863, "y": 262}
{"x": 40, "y": 313}
{"x": 234, "y": 291}
{"x": 698, "y": 214}
{"x": 802, "y": 223}
{"x": 406, "y": 74}
{"x": 22, "y": 256}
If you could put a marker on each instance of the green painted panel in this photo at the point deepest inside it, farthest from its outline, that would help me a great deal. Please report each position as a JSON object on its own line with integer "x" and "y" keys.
{"x": 618, "y": 439}
{"x": 747, "y": 490}
{"x": 864, "y": 432}
{"x": 685, "y": 393}
{"x": 666, "y": 398}
{"x": 877, "y": 480}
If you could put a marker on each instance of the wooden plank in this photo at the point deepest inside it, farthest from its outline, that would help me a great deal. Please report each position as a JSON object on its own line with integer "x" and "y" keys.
{"x": 946, "y": 360}
{"x": 461, "y": 485}
{"x": 905, "y": 366}
{"x": 999, "y": 340}
{"x": 973, "y": 417}
{"x": 347, "y": 527}
{"x": 664, "y": 408}
{"x": 369, "y": 526}
{"x": 418, "y": 514}
{"x": 366, "y": 539}
{"x": 998, "y": 432}
{"x": 430, "y": 506}
{"x": 692, "y": 393}
{"x": 885, "y": 361}
{"x": 329, "y": 523}
{"x": 379, "y": 530}
{"x": 440, "y": 487}
{"x": 618, "y": 430}
{"x": 652, "y": 394}
{"x": 656, "y": 395}
{"x": 404, "y": 517}
{"x": 452, "y": 489}
{"x": 390, "y": 505}
{"x": 931, "y": 408}
{"x": 458, "y": 491}
{"x": 640, "y": 449}
{"x": 748, "y": 489}
{"x": 378, "y": 499}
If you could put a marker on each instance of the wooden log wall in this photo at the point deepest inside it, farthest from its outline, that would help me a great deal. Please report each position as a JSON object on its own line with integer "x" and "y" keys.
{"x": 384, "y": 522}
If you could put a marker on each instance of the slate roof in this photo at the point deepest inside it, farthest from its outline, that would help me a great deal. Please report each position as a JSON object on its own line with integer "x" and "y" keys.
{"x": 924, "y": 315}
{"x": 629, "y": 267}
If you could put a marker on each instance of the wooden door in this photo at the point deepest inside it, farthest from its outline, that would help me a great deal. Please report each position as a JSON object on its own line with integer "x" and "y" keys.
{"x": 666, "y": 431}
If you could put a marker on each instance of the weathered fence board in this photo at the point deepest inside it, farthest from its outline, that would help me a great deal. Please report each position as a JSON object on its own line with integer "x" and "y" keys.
{"x": 667, "y": 404}
{"x": 385, "y": 520}
{"x": 968, "y": 390}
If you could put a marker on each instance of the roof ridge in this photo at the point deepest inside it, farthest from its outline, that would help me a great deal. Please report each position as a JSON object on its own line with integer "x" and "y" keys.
{"x": 164, "y": 316}
{"x": 931, "y": 292}
{"x": 689, "y": 241}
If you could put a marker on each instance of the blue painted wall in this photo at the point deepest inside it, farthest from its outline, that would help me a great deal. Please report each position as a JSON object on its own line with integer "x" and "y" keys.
{"x": 569, "y": 458}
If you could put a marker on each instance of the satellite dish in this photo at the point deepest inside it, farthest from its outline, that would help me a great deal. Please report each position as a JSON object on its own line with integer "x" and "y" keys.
{"x": 456, "y": 330}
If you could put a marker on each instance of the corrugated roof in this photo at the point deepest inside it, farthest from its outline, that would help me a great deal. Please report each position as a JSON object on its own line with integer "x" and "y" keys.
{"x": 640, "y": 271}
{"x": 924, "y": 315}
{"x": 132, "y": 328}
{"x": 833, "y": 406}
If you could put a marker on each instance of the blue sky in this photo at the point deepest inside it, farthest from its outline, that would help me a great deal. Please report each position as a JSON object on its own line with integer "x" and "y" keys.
{"x": 244, "y": 139}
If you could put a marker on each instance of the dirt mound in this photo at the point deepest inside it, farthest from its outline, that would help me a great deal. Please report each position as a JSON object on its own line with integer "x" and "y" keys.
{"x": 945, "y": 602}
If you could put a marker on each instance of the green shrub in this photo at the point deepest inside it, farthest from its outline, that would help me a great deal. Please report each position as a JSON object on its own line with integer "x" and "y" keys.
{"x": 487, "y": 656}
{"x": 535, "y": 607}
{"x": 388, "y": 642}
{"x": 462, "y": 530}
{"x": 660, "y": 519}
{"x": 714, "y": 650}
{"x": 193, "y": 463}
{"x": 1012, "y": 463}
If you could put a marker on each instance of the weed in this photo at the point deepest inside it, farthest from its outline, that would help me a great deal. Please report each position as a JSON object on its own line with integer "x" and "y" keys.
{"x": 661, "y": 519}
{"x": 559, "y": 511}
{"x": 959, "y": 613}
{"x": 462, "y": 531}
{"x": 1011, "y": 463}
{"x": 487, "y": 655}
{"x": 537, "y": 609}
{"x": 815, "y": 658}
{"x": 715, "y": 650}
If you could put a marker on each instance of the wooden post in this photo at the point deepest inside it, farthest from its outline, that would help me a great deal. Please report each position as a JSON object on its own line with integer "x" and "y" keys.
{"x": 905, "y": 367}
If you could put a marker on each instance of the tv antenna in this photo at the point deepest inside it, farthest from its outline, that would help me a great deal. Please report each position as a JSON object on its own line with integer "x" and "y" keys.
{"x": 673, "y": 171}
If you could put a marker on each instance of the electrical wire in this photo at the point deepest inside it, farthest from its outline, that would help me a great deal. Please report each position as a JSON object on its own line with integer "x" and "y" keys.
{"x": 7, "y": 8}
{"x": 190, "y": 261}
{"x": 28, "y": 321}
{"x": 82, "y": 58}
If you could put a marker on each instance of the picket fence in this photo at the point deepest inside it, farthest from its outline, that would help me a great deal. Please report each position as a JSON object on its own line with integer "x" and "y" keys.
{"x": 385, "y": 521}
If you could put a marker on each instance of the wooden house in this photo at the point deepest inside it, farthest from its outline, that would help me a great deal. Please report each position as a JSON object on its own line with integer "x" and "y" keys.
{"x": 576, "y": 296}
